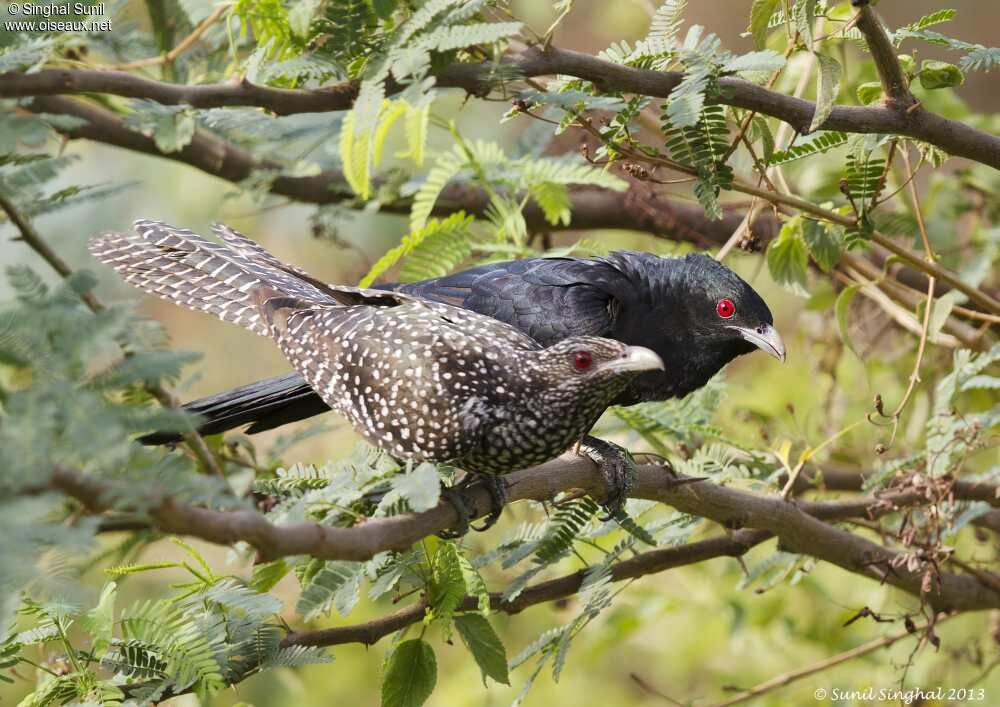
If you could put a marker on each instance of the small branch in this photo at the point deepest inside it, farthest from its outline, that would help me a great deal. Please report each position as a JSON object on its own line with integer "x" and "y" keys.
{"x": 928, "y": 305}
{"x": 652, "y": 562}
{"x": 640, "y": 208}
{"x": 477, "y": 79}
{"x": 34, "y": 240}
{"x": 890, "y": 73}
{"x": 795, "y": 675}
{"x": 181, "y": 47}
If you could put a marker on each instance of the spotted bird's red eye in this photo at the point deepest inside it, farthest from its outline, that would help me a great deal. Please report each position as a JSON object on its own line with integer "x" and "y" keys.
{"x": 725, "y": 308}
{"x": 582, "y": 360}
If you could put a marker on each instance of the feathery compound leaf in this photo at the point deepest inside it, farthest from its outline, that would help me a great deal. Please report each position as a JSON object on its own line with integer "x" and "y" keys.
{"x": 336, "y": 583}
{"x": 447, "y": 167}
{"x": 812, "y": 144}
{"x": 828, "y": 84}
{"x": 434, "y": 246}
{"x": 563, "y": 529}
{"x": 664, "y": 26}
{"x": 410, "y": 674}
{"x": 703, "y": 147}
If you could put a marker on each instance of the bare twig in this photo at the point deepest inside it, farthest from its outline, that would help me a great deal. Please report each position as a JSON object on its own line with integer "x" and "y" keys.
{"x": 794, "y": 675}
{"x": 181, "y": 47}
{"x": 33, "y": 239}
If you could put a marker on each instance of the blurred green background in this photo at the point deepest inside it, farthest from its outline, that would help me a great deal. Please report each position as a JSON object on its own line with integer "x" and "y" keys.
{"x": 689, "y": 633}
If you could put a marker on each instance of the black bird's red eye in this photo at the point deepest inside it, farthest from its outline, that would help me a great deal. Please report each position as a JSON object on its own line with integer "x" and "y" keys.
{"x": 582, "y": 360}
{"x": 725, "y": 308}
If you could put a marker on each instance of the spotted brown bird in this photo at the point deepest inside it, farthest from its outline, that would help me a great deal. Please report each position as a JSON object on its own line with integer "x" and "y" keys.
{"x": 420, "y": 379}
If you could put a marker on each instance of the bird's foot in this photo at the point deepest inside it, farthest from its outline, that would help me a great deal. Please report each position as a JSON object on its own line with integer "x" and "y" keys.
{"x": 455, "y": 495}
{"x": 618, "y": 469}
{"x": 497, "y": 486}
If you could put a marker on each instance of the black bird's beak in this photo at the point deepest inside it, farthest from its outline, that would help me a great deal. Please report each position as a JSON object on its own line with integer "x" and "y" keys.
{"x": 636, "y": 358}
{"x": 765, "y": 337}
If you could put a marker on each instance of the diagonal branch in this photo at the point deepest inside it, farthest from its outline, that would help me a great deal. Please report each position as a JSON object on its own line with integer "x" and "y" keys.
{"x": 733, "y": 545}
{"x": 800, "y": 527}
{"x": 641, "y": 208}
{"x": 477, "y": 79}
{"x": 890, "y": 73}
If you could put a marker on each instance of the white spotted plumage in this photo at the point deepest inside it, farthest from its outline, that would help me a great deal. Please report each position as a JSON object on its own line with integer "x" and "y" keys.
{"x": 419, "y": 379}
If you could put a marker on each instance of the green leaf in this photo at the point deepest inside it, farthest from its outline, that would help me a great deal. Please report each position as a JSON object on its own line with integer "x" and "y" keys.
{"x": 788, "y": 257}
{"x": 765, "y": 60}
{"x": 100, "y": 621}
{"x": 939, "y": 74}
{"x": 760, "y": 16}
{"x": 811, "y": 145}
{"x": 447, "y": 582}
{"x": 828, "y": 84}
{"x": 941, "y": 310}
{"x": 934, "y": 18}
{"x": 427, "y": 243}
{"x": 869, "y": 92}
{"x": 485, "y": 645}
{"x": 825, "y": 243}
{"x": 842, "y": 307}
{"x": 410, "y": 675}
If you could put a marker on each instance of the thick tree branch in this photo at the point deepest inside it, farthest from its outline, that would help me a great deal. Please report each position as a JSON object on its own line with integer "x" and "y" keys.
{"x": 952, "y": 136}
{"x": 890, "y": 73}
{"x": 640, "y": 208}
{"x": 800, "y": 527}
{"x": 733, "y": 545}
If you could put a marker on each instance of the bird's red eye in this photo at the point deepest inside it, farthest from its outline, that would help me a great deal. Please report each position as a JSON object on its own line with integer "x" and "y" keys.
{"x": 582, "y": 360}
{"x": 725, "y": 308}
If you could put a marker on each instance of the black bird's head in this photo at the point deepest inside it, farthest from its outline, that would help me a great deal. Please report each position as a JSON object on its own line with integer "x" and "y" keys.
{"x": 696, "y": 313}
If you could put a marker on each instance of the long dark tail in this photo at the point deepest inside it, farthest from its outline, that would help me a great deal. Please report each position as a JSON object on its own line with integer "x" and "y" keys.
{"x": 263, "y": 405}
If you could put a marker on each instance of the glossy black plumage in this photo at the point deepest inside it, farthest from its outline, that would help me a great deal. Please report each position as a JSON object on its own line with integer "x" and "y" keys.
{"x": 665, "y": 304}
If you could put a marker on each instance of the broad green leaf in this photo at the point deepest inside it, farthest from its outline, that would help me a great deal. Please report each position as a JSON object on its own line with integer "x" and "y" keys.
{"x": 485, "y": 645}
{"x": 410, "y": 674}
{"x": 842, "y": 307}
{"x": 447, "y": 583}
{"x": 760, "y": 15}
{"x": 869, "y": 92}
{"x": 788, "y": 257}
{"x": 828, "y": 84}
{"x": 939, "y": 74}
{"x": 825, "y": 242}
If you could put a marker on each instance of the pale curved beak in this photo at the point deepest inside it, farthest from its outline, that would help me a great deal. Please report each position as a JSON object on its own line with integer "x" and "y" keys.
{"x": 636, "y": 358}
{"x": 765, "y": 337}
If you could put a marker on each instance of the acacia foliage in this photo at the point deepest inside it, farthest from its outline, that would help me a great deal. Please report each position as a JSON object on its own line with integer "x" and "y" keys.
{"x": 75, "y": 385}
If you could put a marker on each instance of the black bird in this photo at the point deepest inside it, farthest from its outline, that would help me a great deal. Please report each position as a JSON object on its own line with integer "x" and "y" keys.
{"x": 420, "y": 379}
{"x": 696, "y": 313}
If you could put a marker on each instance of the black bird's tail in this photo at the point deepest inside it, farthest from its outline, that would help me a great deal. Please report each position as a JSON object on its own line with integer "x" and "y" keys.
{"x": 264, "y": 405}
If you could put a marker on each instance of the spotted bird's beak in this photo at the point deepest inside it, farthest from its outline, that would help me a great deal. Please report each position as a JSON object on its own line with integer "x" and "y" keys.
{"x": 765, "y": 337}
{"x": 636, "y": 358}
